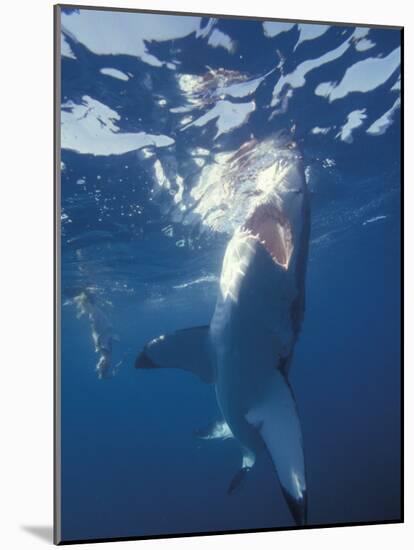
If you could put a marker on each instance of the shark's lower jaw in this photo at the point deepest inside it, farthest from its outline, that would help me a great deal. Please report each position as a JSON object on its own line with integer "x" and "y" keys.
{"x": 274, "y": 233}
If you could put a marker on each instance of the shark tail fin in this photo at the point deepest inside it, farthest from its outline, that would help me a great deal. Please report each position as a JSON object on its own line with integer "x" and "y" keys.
{"x": 277, "y": 420}
{"x": 186, "y": 349}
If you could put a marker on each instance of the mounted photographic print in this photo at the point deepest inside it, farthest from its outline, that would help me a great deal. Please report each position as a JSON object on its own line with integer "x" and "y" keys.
{"x": 228, "y": 274}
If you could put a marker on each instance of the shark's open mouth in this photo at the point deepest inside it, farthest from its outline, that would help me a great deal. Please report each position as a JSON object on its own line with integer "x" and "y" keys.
{"x": 273, "y": 230}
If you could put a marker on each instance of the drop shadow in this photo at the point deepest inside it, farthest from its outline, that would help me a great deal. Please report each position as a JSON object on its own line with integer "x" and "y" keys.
{"x": 43, "y": 532}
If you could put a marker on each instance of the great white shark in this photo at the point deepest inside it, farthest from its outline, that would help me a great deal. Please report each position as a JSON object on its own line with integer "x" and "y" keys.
{"x": 247, "y": 349}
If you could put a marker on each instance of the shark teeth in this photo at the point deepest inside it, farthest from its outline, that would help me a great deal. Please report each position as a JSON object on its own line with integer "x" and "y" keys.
{"x": 246, "y": 233}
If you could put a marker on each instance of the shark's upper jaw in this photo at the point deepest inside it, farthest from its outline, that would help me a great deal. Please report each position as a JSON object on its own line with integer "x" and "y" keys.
{"x": 273, "y": 231}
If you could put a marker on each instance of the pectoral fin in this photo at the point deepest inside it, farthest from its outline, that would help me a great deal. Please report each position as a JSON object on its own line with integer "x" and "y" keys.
{"x": 186, "y": 349}
{"x": 277, "y": 420}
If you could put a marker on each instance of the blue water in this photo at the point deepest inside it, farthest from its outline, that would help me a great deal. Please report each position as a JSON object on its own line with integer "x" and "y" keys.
{"x": 131, "y": 465}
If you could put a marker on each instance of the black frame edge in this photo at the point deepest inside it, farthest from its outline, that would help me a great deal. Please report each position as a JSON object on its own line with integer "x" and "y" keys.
{"x": 232, "y": 532}
{"x": 57, "y": 535}
{"x": 402, "y": 279}
{"x": 230, "y": 16}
